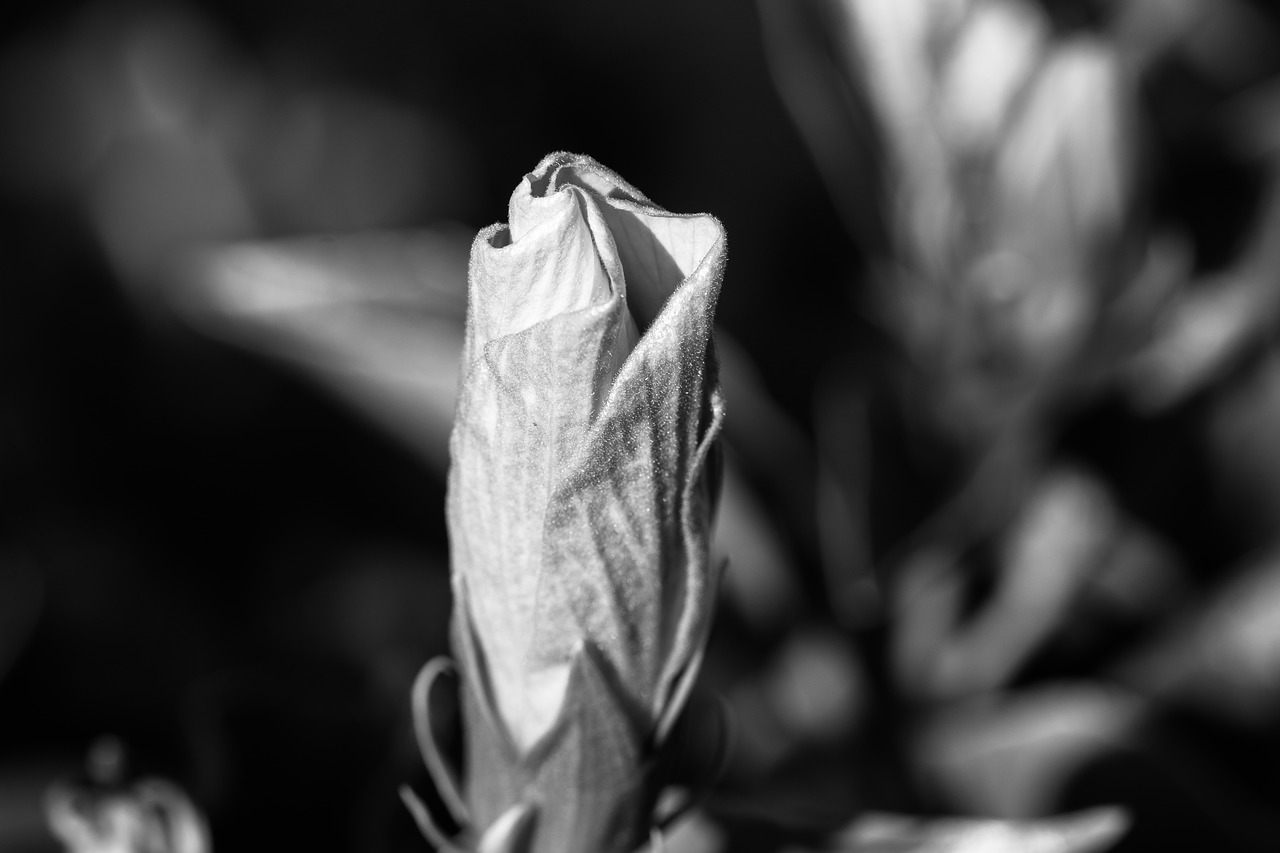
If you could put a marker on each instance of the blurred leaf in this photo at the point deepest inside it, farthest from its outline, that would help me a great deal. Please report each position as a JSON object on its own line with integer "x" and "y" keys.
{"x": 764, "y": 583}
{"x": 1082, "y": 832}
{"x": 770, "y": 443}
{"x": 1011, "y": 755}
{"x": 1025, "y": 755}
{"x": 818, "y": 689}
{"x": 153, "y": 196}
{"x": 842, "y": 424}
{"x": 1223, "y": 654}
{"x": 376, "y": 318}
{"x": 1198, "y": 340}
{"x": 1242, "y": 427}
{"x": 1056, "y": 542}
{"x": 1228, "y": 40}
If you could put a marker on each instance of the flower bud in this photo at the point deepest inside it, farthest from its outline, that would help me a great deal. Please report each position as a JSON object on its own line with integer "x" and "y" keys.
{"x": 580, "y": 498}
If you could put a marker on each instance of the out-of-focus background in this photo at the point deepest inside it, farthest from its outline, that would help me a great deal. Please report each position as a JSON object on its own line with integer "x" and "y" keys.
{"x": 999, "y": 348}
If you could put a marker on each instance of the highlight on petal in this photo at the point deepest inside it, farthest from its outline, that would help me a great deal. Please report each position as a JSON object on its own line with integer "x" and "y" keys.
{"x": 509, "y": 833}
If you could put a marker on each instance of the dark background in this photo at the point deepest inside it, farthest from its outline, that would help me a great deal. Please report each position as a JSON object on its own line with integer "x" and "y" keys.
{"x": 207, "y": 556}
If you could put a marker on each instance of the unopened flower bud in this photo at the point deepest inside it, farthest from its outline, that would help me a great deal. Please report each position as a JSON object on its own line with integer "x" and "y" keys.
{"x": 580, "y": 500}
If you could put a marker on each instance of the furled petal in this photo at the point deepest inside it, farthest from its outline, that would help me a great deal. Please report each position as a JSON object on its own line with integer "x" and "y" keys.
{"x": 628, "y": 527}
{"x": 524, "y": 408}
{"x": 543, "y": 321}
{"x": 542, "y": 266}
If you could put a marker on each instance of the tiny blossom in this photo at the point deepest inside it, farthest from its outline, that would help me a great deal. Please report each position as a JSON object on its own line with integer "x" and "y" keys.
{"x": 108, "y": 815}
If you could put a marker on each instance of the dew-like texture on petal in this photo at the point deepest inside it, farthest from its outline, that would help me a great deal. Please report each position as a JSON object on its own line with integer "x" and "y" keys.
{"x": 578, "y": 508}
{"x": 525, "y": 406}
{"x": 628, "y": 528}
